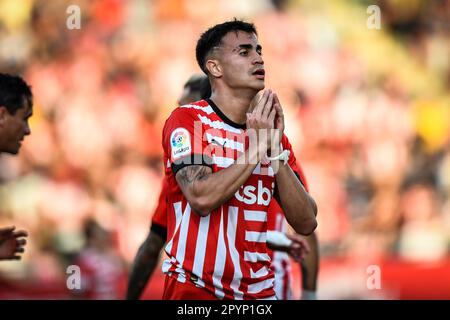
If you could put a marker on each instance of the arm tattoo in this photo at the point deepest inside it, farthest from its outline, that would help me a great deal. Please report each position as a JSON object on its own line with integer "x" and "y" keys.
{"x": 190, "y": 174}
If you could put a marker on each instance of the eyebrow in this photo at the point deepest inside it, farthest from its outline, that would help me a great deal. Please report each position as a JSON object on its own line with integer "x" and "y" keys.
{"x": 247, "y": 46}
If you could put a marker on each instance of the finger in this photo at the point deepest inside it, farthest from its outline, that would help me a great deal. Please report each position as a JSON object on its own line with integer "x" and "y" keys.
{"x": 272, "y": 114}
{"x": 20, "y": 250}
{"x": 249, "y": 120}
{"x": 7, "y": 230}
{"x": 277, "y": 105}
{"x": 276, "y": 101}
{"x": 261, "y": 103}
{"x": 305, "y": 245}
{"x": 300, "y": 240}
{"x": 255, "y": 101}
{"x": 21, "y": 242}
{"x": 20, "y": 233}
{"x": 267, "y": 106}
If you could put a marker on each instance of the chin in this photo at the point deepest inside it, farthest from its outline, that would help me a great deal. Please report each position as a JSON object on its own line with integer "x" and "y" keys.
{"x": 14, "y": 150}
{"x": 11, "y": 151}
{"x": 259, "y": 86}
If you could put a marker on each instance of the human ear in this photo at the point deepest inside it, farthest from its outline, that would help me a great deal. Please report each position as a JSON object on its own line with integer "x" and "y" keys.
{"x": 214, "y": 68}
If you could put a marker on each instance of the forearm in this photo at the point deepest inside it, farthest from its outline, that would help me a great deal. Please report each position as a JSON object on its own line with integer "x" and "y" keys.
{"x": 299, "y": 208}
{"x": 310, "y": 264}
{"x": 208, "y": 191}
{"x": 143, "y": 266}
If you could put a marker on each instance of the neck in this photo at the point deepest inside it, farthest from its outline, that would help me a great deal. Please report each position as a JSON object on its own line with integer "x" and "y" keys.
{"x": 233, "y": 103}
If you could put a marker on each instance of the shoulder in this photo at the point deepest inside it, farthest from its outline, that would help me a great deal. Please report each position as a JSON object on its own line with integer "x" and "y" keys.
{"x": 189, "y": 112}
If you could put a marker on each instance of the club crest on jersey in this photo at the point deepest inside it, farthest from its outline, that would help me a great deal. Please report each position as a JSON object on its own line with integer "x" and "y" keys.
{"x": 180, "y": 143}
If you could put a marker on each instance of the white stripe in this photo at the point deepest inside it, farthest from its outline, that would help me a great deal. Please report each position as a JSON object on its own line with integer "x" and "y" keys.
{"x": 279, "y": 283}
{"x": 225, "y": 142}
{"x": 217, "y": 124}
{"x": 254, "y": 236}
{"x": 231, "y": 235}
{"x": 181, "y": 249}
{"x": 266, "y": 171}
{"x": 178, "y": 215}
{"x": 200, "y": 248}
{"x": 256, "y": 256}
{"x": 281, "y": 273}
{"x": 260, "y": 286}
{"x": 260, "y": 273}
{"x": 219, "y": 266}
{"x": 253, "y": 215}
{"x": 207, "y": 109}
{"x": 166, "y": 266}
{"x": 222, "y": 162}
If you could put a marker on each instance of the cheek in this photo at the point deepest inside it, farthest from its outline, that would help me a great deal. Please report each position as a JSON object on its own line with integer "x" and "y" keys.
{"x": 236, "y": 71}
{"x": 17, "y": 130}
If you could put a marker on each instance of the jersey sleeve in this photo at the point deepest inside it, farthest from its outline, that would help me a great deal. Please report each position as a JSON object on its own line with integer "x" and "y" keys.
{"x": 183, "y": 141}
{"x": 295, "y": 166}
{"x": 159, "y": 218}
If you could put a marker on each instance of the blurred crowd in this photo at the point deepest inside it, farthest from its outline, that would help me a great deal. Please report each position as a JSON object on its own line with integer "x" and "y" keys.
{"x": 368, "y": 113}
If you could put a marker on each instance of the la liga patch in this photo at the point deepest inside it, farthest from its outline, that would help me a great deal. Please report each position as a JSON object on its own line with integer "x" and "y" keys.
{"x": 180, "y": 143}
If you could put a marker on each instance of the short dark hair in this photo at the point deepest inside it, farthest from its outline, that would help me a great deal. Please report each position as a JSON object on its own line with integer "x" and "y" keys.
{"x": 199, "y": 84}
{"x": 213, "y": 36}
{"x": 13, "y": 91}
{"x": 205, "y": 88}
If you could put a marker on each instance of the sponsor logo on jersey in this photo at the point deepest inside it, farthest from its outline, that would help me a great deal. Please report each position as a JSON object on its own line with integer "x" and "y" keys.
{"x": 250, "y": 194}
{"x": 180, "y": 142}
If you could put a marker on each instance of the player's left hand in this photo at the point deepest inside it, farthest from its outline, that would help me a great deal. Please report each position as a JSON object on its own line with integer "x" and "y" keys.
{"x": 279, "y": 116}
{"x": 278, "y": 126}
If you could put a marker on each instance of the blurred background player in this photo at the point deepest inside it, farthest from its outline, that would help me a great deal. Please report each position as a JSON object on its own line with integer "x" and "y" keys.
{"x": 101, "y": 268}
{"x": 283, "y": 244}
{"x": 16, "y": 103}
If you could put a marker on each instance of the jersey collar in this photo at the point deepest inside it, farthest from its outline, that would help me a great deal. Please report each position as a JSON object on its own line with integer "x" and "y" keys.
{"x": 224, "y": 117}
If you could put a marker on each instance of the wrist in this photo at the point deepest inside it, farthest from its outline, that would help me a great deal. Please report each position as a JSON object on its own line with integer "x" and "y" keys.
{"x": 280, "y": 156}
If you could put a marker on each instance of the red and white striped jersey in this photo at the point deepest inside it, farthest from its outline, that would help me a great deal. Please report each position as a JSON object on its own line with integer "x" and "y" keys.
{"x": 280, "y": 261}
{"x": 224, "y": 252}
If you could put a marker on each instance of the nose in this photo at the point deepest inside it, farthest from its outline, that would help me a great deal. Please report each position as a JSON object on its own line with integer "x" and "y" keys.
{"x": 258, "y": 59}
{"x": 27, "y": 130}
